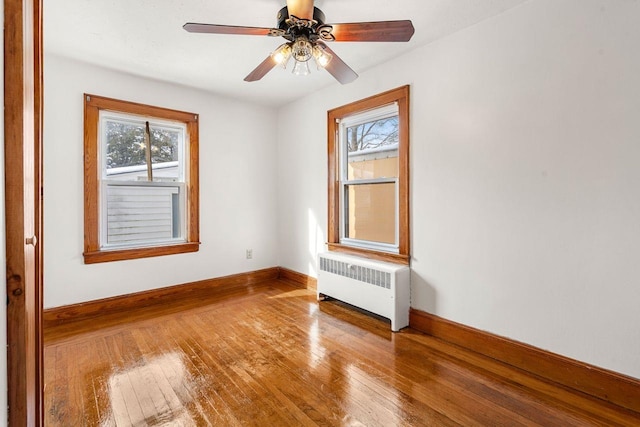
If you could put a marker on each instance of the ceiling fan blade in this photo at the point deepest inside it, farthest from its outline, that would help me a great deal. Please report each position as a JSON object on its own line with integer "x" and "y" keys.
{"x": 225, "y": 29}
{"x": 302, "y": 9}
{"x": 382, "y": 31}
{"x": 261, "y": 70}
{"x": 337, "y": 67}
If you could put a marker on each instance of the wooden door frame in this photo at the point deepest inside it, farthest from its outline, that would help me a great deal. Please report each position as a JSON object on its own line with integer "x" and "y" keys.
{"x": 23, "y": 208}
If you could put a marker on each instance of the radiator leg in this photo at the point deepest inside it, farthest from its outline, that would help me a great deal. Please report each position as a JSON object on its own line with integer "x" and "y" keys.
{"x": 322, "y": 297}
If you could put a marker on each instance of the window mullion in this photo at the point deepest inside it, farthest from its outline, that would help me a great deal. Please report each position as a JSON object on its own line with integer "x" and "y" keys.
{"x": 370, "y": 181}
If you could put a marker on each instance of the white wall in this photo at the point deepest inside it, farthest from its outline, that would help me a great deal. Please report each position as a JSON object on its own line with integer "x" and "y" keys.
{"x": 237, "y": 157}
{"x": 525, "y": 149}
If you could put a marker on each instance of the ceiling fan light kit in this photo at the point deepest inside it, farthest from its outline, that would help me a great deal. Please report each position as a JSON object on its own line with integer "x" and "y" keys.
{"x": 304, "y": 28}
{"x": 301, "y": 68}
{"x": 321, "y": 56}
{"x": 282, "y": 55}
{"x": 302, "y": 51}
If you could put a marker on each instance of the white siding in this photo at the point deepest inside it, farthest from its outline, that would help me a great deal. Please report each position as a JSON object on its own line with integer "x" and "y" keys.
{"x": 139, "y": 214}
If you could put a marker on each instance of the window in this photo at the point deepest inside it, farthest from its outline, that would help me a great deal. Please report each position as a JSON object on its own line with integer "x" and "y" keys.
{"x": 369, "y": 177}
{"x": 141, "y": 180}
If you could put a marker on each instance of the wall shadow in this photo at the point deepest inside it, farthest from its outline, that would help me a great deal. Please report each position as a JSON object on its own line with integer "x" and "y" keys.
{"x": 423, "y": 295}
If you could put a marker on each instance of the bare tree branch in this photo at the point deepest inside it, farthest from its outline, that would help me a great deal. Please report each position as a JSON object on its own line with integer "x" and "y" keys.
{"x": 373, "y": 134}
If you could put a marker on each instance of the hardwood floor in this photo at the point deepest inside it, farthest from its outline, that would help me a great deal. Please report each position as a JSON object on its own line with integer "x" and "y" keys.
{"x": 271, "y": 355}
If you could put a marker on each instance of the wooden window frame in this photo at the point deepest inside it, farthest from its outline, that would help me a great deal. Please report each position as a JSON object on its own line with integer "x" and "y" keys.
{"x": 401, "y": 97}
{"x": 92, "y": 252}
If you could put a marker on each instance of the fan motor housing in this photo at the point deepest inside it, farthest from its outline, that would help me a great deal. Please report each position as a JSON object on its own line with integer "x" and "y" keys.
{"x": 283, "y": 15}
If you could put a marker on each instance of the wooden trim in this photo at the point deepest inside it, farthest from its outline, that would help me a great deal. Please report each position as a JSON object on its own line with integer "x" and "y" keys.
{"x": 401, "y": 96}
{"x": 22, "y": 145}
{"x": 59, "y": 315}
{"x": 193, "y": 191}
{"x": 119, "y": 106}
{"x": 333, "y": 196}
{"x": 403, "y": 184}
{"x": 601, "y": 383}
{"x": 38, "y": 56}
{"x": 93, "y": 104}
{"x": 303, "y": 280}
{"x": 371, "y": 102}
{"x": 91, "y": 183}
{"x": 368, "y": 253}
{"x": 119, "y": 255}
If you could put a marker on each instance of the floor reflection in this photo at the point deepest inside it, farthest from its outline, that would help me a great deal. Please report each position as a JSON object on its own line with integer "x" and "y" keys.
{"x": 316, "y": 350}
{"x": 298, "y": 293}
{"x": 146, "y": 394}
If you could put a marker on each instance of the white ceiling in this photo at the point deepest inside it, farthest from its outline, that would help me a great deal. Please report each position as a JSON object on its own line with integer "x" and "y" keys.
{"x": 145, "y": 37}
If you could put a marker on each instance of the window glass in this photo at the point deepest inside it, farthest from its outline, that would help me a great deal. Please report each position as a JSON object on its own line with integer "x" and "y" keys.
{"x": 372, "y": 149}
{"x": 125, "y": 150}
{"x": 144, "y": 194}
{"x": 370, "y": 213}
{"x": 369, "y": 174}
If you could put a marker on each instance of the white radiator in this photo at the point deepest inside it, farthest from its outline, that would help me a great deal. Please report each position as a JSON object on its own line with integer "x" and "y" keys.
{"x": 379, "y": 287}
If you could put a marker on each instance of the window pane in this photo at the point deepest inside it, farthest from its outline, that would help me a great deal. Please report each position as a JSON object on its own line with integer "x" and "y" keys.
{"x": 371, "y": 212}
{"x": 141, "y": 214}
{"x": 164, "y": 153}
{"x": 125, "y": 157}
{"x": 372, "y": 149}
{"x": 125, "y": 145}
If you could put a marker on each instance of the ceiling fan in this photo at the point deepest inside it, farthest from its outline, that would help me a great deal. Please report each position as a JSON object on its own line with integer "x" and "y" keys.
{"x": 303, "y": 26}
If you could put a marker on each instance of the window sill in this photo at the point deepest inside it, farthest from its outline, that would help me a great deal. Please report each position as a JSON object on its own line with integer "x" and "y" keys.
{"x": 135, "y": 253}
{"x": 371, "y": 254}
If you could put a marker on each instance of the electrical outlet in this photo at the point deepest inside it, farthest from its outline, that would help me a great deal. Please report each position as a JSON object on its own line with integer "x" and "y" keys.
{"x": 249, "y": 253}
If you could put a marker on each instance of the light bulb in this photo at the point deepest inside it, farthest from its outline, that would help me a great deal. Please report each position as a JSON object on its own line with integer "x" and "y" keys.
{"x": 282, "y": 54}
{"x": 321, "y": 56}
{"x": 302, "y": 49}
{"x": 301, "y": 68}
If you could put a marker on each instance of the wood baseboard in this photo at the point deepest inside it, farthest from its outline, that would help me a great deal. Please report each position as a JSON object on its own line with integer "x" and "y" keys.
{"x": 592, "y": 380}
{"x": 601, "y": 383}
{"x": 90, "y": 309}
{"x": 298, "y": 278}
